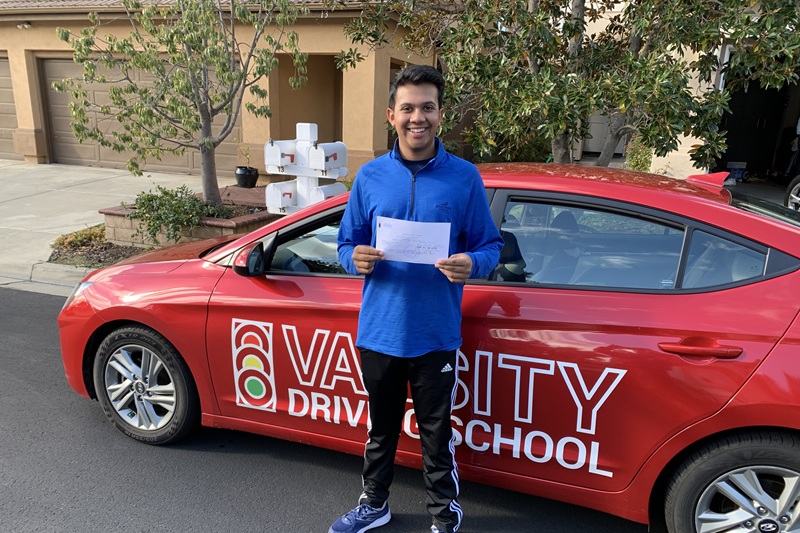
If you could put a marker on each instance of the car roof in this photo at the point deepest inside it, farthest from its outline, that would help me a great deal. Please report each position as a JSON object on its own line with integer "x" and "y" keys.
{"x": 604, "y": 182}
{"x": 700, "y": 197}
{"x": 697, "y": 197}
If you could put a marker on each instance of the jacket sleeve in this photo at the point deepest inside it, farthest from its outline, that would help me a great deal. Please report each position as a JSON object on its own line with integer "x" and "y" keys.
{"x": 483, "y": 238}
{"x": 355, "y": 228}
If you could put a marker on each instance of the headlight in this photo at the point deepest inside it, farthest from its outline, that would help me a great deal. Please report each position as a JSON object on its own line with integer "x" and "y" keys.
{"x": 79, "y": 288}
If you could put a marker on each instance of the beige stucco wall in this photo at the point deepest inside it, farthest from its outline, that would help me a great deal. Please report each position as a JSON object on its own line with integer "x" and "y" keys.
{"x": 22, "y": 47}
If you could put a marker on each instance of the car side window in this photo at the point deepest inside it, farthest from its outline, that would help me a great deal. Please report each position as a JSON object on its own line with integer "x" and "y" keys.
{"x": 551, "y": 244}
{"x": 313, "y": 251}
{"x": 716, "y": 261}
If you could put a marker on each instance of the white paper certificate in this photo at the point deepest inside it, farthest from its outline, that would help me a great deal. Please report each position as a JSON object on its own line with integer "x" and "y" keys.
{"x": 412, "y": 242}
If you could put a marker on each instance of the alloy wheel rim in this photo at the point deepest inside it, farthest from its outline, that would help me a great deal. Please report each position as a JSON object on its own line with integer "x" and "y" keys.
{"x": 794, "y": 199}
{"x": 140, "y": 387}
{"x": 760, "y": 499}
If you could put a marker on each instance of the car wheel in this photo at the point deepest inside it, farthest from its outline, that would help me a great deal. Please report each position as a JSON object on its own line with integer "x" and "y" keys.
{"x": 743, "y": 483}
{"x": 792, "y": 197}
{"x": 145, "y": 387}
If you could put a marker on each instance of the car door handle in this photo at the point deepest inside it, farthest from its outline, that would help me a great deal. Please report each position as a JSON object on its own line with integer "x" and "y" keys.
{"x": 701, "y": 347}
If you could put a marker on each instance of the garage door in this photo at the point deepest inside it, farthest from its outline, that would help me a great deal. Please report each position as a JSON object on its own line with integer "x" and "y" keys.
{"x": 8, "y": 113}
{"x": 598, "y": 128}
{"x": 67, "y": 150}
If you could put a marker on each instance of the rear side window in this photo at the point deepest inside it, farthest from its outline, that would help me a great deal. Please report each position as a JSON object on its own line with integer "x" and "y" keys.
{"x": 565, "y": 245}
{"x": 714, "y": 261}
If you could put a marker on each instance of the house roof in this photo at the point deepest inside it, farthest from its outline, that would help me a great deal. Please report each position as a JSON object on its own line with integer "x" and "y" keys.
{"x": 53, "y": 8}
{"x": 55, "y": 5}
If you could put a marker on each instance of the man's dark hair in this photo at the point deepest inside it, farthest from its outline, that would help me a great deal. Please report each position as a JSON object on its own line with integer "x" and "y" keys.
{"x": 417, "y": 75}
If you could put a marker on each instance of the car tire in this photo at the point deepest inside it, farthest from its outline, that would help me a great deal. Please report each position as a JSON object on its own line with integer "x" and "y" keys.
{"x": 740, "y": 481}
{"x": 791, "y": 198}
{"x": 145, "y": 387}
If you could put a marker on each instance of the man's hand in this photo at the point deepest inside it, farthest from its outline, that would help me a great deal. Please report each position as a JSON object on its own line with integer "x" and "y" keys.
{"x": 457, "y": 267}
{"x": 364, "y": 258}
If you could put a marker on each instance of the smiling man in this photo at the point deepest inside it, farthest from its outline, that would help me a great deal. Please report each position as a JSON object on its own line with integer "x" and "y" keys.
{"x": 409, "y": 327}
{"x": 416, "y": 120}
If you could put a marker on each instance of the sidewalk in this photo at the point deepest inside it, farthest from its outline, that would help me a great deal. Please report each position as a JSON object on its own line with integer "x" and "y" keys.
{"x": 38, "y": 203}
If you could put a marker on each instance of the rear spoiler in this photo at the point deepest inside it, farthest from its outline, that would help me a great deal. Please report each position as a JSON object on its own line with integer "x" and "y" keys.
{"x": 715, "y": 180}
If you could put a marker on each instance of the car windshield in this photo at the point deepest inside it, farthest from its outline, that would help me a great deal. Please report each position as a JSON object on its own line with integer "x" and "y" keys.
{"x": 765, "y": 208}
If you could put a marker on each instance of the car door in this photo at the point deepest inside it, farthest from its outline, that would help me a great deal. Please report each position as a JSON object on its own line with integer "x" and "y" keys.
{"x": 625, "y": 326}
{"x": 282, "y": 345}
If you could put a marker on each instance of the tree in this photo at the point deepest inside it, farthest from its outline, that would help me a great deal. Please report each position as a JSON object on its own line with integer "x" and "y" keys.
{"x": 197, "y": 66}
{"x": 531, "y": 68}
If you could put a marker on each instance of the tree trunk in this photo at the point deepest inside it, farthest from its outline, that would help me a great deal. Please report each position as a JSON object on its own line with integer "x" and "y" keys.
{"x": 615, "y": 132}
{"x": 208, "y": 176}
{"x": 562, "y": 152}
{"x": 208, "y": 159}
{"x": 562, "y": 147}
{"x": 578, "y": 9}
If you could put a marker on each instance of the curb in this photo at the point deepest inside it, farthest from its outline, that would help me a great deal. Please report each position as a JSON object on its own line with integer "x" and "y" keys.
{"x": 45, "y": 278}
{"x": 55, "y": 274}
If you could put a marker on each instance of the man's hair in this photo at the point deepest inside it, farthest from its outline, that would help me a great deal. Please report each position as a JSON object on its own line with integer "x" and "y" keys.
{"x": 417, "y": 75}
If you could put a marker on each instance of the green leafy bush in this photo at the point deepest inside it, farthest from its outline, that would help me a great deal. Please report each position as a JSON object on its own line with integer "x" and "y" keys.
{"x": 505, "y": 149}
{"x": 638, "y": 156}
{"x": 171, "y": 211}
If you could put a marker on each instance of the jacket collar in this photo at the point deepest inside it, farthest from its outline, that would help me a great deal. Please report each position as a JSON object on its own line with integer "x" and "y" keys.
{"x": 440, "y": 156}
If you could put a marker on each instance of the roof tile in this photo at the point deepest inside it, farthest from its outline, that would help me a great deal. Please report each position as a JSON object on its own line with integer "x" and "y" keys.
{"x": 56, "y": 4}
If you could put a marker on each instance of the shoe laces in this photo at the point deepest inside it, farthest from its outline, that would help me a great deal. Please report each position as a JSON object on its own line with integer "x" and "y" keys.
{"x": 361, "y": 512}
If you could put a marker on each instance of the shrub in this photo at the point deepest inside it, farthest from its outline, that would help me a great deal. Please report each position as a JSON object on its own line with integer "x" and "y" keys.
{"x": 536, "y": 149}
{"x": 81, "y": 238}
{"x": 171, "y": 211}
{"x": 638, "y": 156}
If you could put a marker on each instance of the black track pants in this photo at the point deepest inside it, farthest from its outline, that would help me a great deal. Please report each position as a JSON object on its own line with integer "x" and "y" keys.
{"x": 433, "y": 379}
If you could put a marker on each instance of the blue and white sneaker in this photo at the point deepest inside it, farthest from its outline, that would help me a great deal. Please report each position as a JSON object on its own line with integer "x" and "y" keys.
{"x": 362, "y": 518}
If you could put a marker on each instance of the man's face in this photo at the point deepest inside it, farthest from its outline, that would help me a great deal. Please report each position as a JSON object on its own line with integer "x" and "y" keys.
{"x": 416, "y": 117}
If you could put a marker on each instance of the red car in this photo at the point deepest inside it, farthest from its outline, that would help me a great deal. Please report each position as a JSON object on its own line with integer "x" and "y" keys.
{"x": 636, "y": 350}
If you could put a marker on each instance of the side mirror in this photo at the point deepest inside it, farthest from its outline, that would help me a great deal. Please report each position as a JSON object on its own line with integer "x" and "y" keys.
{"x": 250, "y": 260}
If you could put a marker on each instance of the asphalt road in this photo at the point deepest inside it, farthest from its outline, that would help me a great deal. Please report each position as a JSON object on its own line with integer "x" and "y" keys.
{"x": 64, "y": 468}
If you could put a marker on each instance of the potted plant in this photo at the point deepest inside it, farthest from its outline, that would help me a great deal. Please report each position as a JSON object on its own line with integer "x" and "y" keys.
{"x": 246, "y": 176}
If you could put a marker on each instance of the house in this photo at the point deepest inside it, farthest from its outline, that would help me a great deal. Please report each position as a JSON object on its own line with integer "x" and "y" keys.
{"x": 35, "y": 122}
{"x": 349, "y": 106}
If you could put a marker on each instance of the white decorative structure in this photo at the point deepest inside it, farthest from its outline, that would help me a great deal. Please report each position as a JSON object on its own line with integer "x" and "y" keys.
{"x": 315, "y": 166}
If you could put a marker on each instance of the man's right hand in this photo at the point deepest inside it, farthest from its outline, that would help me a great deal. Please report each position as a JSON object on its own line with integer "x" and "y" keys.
{"x": 364, "y": 258}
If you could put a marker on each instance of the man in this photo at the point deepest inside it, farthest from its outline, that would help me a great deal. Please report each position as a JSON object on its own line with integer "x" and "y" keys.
{"x": 410, "y": 321}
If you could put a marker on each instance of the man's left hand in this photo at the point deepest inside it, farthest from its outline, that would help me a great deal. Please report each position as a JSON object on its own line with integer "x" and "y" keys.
{"x": 457, "y": 267}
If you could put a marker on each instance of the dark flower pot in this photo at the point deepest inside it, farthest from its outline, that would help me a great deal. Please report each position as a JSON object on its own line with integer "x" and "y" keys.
{"x": 246, "y": 177}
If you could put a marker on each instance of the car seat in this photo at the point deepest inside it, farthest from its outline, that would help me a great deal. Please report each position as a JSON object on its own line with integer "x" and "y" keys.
{"x": 562, "y": 250}
{"x": 511, "y": 266}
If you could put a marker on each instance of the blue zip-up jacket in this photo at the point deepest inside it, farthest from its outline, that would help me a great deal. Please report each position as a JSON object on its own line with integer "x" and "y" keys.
{"x": 410, "y": 309}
